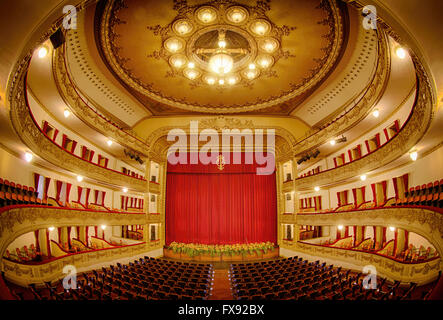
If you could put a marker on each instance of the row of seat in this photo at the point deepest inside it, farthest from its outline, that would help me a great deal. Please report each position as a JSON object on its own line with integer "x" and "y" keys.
{"x": 430, "y": 194}
{"x": 296, "y": 278}
{"x": 13, "y": 194}
{"x": 146, "y": 278}
{"x": 24, "y": 254}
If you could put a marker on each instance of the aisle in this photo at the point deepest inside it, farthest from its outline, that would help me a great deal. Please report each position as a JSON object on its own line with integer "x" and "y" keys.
{"x": 221, "y": 288}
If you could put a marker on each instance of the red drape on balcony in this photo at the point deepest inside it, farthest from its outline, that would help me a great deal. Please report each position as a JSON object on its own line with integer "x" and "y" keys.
{"x": 212, "y": 206}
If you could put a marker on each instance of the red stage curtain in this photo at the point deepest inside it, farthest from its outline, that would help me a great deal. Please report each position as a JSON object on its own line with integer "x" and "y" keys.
{"x": 212, "y": 206}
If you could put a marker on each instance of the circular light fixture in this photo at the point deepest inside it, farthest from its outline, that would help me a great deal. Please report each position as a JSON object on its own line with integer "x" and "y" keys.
{"x": 233, "y": 79}
{"x": 51, "y": 228}
{"x": 66, "y": 113}
{"x": 400, "y": 52}
{"x": 191, "y": 65}
{"x": 182, "y": 27}
{"x": 79, "y": 178}
{"x": 251, "y": 66}
{"x": 413, "y": 155}
{"x": 251, "y": 73}
{"x": 28, "y": 156}
{"x": 125, "y": 190}
{"x": 222, "y": 44}
{"x": 209, "y": 79}
{"x": 103, "y": 227}
{"x": 376, "y": 113}
{"x": 392, "y": 228}
{"x": 191, "y": 74}
{"x": 178, "y": 60}
{"x": 109, "y": 142}
{"x": 174, "y": 45}
{"x": 236, "y": 14}
{"x": 42, "y": 52}
{"x": 260, "y": 27}
{"x": 332, "y": 142}
{"x": 265, "y": 61}
{"x": 363, "y": 177}
{"x": 221, "y": 82}
{"x": 221, "y": 63}
{"x": 340, "y": 227}
{"x": 269, "y": 45}
{"x": 206, "y": 14}
{"x": 317, "y": 189}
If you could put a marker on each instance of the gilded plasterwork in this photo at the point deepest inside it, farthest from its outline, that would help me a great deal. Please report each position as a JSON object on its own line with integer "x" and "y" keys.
{"x": 149, "y": 75}
{"x": 426, "y": 223}
{"x": 18, "y": 221}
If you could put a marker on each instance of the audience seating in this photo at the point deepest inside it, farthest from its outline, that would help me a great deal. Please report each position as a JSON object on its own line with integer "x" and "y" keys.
{"x": 14, "y": 194}
{"x": 430, "y": 194}
{"x": 296, "y": 278}
{"x": 143, "y": 279}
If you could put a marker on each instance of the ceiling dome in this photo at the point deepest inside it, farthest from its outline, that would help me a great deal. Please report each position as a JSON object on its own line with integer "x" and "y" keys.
{"x": 272, "y": 55}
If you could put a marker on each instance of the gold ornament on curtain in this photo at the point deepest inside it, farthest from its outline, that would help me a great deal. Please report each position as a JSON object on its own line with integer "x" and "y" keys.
{"x": 220, "y": 162}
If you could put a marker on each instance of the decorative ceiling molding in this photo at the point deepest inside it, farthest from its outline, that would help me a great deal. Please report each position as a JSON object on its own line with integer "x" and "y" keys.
{"x": 110, "y": 19}
{"x": 68, "y": 91}
{"x": 360, "y": 110}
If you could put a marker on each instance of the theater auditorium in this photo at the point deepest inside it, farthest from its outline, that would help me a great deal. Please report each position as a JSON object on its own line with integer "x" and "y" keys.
{"x": 221, "y": 150}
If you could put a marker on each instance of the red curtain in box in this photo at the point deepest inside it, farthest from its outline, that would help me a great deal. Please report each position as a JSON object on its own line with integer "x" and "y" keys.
{"x": 83, "y": 195}
{"x": 122, "y": 202}
{"x": 374, "y": 194}
{"x": 384, "y": 185}
{"x": 212, "y": 206}
{"x": 46, "y": 187}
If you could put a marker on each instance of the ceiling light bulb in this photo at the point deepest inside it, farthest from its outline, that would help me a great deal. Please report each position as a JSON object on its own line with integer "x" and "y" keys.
{"x": 265, "y": 61}
{"x": 237, "y": 14}
{"x": 109, "y": 142}
{"x": 221, "y": 82}
{"x": 173, "y": 45}
{"x": 317, "y": 189}
{"x": 178, "y": 63}
{"x": 51, "y": 228}
{"x": 221, "y": 63}
{"x": 206, "y": 15}
{"x": 103, "y": 227}
{"x": 42, "y": 52}
{"x": 340, "y": 227}
{"x": 222, "y": 44}
{"x": 79, "y": 178}
{"x": 376, "y": 113}
{"x": 191, "y": 65}
{"x": 210, "y": 80}
{"x": 251, "y": 66}
{"x": 260, "y": 27}
{"x": 178, "y": 60}
{"x": 413, "y": 155}
{"x": 363, "y": 177}
{"x": 66, "y": 113}
{"x": 232, "y": 80}
{"x": 332, "y": 142}
{"x": 400, "y": 52}
{"x": 183, "y": 27}
{"x": 28, "y": 156}
{"x": 269, "y": 45}
{"x": 125, "y": 190}
{"x": 192, "y": 75}
{"x": 392, "y": 228}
